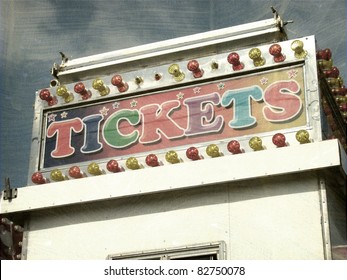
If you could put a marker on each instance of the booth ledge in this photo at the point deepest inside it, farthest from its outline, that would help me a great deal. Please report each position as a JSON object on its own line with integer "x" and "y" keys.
{"x": 210, "y": 171}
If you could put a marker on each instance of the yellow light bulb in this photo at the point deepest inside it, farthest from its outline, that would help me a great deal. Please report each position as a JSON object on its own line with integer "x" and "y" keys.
{"x": 100, "y": 86}
{"x": 172, "y": 157}
{"x": 176, "y": 72}
{"x": 63, "y": 92}
{"x": 298, "y": 47}
{"x": 302, "y": 136}
{"x": 57, "y": 175}
{"x": 255, "y": 55}
{"x": 256, "y": 144}
{"x": 212, "y": 150}
{"x": 132, "y": 163}
{"x": 94, "y": 169}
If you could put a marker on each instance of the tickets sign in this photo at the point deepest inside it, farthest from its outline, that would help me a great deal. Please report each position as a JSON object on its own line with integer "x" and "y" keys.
{"x": 199, "y": 113}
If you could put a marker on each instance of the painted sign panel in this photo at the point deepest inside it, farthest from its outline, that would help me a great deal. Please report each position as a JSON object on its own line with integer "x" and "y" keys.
{"x": 194, "y": 114}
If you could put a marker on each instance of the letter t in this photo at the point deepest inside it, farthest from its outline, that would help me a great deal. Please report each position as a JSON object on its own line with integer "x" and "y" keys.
{"x": 64, "y": 129}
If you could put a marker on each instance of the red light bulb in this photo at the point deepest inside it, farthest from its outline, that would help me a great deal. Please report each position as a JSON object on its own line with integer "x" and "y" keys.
{"x": 324, "y": 54}
{"x": 113, "y": 166}
{"x": 152, "y": 160}
{"x": 332, "y": 73}
{"x": 343, "y": 107}
{"x": 234, "y": 147}
{"x": 194, "y": 67}
{"x": 81, "y": 89}
{"x": 193, "y": 153}
{"x": 46, "y": 95}
{"x": 37, "y": 178}
{"x": 234, "y": 59}
{"x": 279, "y": 140}
{"x": 276, "y": 51}
{"x": 75, "y": 172}
{"x": 117, "y": 81}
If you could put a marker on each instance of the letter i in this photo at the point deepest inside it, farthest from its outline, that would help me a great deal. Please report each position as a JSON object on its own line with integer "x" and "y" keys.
{"x": 91, "y": 134}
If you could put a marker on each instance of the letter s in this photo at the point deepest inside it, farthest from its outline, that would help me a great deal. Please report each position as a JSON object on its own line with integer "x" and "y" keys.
{"x": 282, "y": 101}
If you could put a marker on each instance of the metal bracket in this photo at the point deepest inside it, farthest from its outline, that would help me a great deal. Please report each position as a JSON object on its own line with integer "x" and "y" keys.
{"x": 9, "y": 193}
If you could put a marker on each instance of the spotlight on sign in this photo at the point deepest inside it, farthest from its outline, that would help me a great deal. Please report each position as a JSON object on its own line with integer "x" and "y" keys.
{"x": 46, "y": 96}
{"x": 256, "y": 143}
{"x": 234, "y": 147}
{"x": 38, "y": 178}
{"x": 176, "y": 72}
{"x": 100, "y": 86}
{"x": 193, "y": 153}
{"x": 234, "y": 60}
{"x": 118, "y": 82}
{"x": 303, "y": 136}
{"x": 81, "y": 90}
{"x": 172, "y": 157}
{"x": 158, "y": 76}
{"x": 113, "y": 166}
{"x": 214, "y": 65}
{"x": 194, "y": 67}
{"x": 57, "y": 175}
{"x": 212, "y": 150}
{"x": 298, "y": 47}
{"x": 279, "y": 140}
{"x": 132, "y": 163}
{"x": 255, "y": 55}
{"x": 94, "y": 169}
{"x": 75, "y": 172}
{"x": 276, "y": 51}
{"x": 139, "y": 80}
{"x": 63, "y": 92}
{"x": 152, "y": 160}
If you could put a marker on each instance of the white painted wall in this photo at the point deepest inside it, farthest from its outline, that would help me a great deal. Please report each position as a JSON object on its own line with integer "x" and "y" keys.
{"x": 276, "y": 217}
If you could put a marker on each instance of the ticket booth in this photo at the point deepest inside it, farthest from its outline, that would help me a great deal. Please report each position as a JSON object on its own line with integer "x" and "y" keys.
{"x": 229, "y": 144}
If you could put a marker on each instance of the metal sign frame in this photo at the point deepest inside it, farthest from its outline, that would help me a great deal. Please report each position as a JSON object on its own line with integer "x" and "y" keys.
{"x": 140, "y": 67}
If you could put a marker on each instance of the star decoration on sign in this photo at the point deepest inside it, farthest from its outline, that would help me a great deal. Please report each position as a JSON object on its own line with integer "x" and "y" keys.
{"x": 292, "y": 73}
{"x": 104, "y": 111}
{"x": 51, "y": 117}
{"x": 116, "y": 105}
{"x": 221, "y": 86}
{"x": 264, "y": 81}
{"x": 197, "y": 90}
{"x": 133, "y": 103}
{"x": 63, "y": 115}
{"x": 180, "y": 95}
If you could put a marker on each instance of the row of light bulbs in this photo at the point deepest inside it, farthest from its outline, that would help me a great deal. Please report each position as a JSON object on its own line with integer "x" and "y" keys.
{"x": 332, "y": 75}
{"x": 177, "y": 73}
{"x": 192, "y": 153}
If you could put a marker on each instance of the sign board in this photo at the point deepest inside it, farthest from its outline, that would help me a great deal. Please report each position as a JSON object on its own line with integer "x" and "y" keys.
{"x": 189, "y": 115}
{"x": 237, "y": 84}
